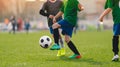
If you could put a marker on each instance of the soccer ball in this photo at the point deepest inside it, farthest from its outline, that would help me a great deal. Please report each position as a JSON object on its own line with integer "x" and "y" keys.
{"x": 45, "y": 41}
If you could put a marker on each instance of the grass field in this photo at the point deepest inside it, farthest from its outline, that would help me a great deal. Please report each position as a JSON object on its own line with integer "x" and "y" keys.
{"x": 22, "y": 50}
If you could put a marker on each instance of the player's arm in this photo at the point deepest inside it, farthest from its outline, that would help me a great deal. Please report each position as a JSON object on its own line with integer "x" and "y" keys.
{"x": 104, "y": 14}
{"x": 80, "y": 7}
{"x": 60, "y": 13}
{"x": 43, "y": 10}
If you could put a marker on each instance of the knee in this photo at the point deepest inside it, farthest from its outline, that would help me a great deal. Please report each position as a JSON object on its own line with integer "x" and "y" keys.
{"x": 55, "y": 25}
{"x": 67, "y": 39}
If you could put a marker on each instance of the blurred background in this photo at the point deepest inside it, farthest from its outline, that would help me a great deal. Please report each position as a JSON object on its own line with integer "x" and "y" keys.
{"x": 29, "y": 9}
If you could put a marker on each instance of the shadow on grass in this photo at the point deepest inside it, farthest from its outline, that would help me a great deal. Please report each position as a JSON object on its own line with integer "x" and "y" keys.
{"x": 87, "y": 60}
{"x": 90, "y": 61}
{"x": 116, "y": 61}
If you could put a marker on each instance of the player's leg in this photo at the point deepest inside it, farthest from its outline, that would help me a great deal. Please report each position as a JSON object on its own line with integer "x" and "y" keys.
{"x": 72, "y": 47}
{"x": 56, "y": 37}
{"x": 61, "y": 52}
{"x": 27, "y": 30}
{"x": 54, "y": 46}
{"x": 61, "y": 41}
{"x": 67, "y": 30}
{"x": 13, "y": 28}
{"x": 63, "y": 25}
{"x": 115, "y": 41}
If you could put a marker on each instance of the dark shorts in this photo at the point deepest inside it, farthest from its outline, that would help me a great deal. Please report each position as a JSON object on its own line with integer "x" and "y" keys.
{"x": 51, "y": 30}
{"x": 66, "y": 27}
{"x": 116, "y": 29}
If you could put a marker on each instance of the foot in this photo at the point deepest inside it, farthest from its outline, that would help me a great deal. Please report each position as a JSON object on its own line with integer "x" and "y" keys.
{"x": 61, "y": 52}
{"x": 55, "y": 47}
{"x": 75, "y": 56}
{"x": 115, "y": 58}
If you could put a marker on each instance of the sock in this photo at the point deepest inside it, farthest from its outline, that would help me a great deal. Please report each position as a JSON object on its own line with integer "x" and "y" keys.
{"x": 56, "y": 35}
{"x": 115, "y": 43}
{"x": 72, "y": 47}
{"x": 61, "y": 42}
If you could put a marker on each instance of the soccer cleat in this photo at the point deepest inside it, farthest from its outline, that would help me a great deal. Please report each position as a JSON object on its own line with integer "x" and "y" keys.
{"x": 115, "y": 58}
{"x": 75, "y": 56}
{"x": 55, "y": 47}
{"x": 61, "y": 52}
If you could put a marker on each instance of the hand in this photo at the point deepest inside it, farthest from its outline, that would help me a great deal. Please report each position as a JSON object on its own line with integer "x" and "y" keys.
{"x": 101, "y": 19}
{"x": 82, "y": 8}
{"x": 54, "y": 20}
{"x": 51, "y": 16}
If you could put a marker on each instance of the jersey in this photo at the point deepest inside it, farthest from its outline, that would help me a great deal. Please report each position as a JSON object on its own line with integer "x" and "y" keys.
{"x": 52, "y": 9}
{"x": 115, "y": 6}
{"x": 70, "y": 8}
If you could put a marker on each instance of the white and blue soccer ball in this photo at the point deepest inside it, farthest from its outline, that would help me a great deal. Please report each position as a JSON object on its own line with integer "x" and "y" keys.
{"x": 45, "y": 41}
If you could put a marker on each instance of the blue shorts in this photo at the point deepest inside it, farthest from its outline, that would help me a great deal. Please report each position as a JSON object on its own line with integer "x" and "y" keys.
{"x": 66, "y": 27}
{"x": 51, "y": 30}
{"x": 50, "y": 27}
{"x": 116, "y": 29}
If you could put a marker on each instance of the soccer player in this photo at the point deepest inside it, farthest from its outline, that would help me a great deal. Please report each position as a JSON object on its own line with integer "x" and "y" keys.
{"x": 14, "y": 24}
{"x": 49, "y": 9}
{"x": 114, "y": 6}
{"x": 27, "y": 25}
{"x": 69, "y": 9}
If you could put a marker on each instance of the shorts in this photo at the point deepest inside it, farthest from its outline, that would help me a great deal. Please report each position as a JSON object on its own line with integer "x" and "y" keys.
{"x": 51, "y": 30}
{"x": 50, "y": 25}
{"x": 66, "y": 27}
{"x": 116, "y": 29}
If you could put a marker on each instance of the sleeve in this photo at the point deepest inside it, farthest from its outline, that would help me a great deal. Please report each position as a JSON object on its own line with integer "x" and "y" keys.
{"x": 108, "y": 4}
{"x": 61, "y": 4}
{"x": 43, "y": 10}
{"x": 62, "y": 8}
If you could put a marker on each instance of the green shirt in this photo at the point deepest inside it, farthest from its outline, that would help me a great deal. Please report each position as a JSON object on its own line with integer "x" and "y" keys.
{"x": 70, "y": 8}
{"x": 114, "y": 5}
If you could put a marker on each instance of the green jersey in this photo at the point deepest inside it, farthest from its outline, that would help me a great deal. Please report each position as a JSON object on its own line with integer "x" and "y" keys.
{"x": 70, "y": 8}
{"x": 115, "y": 6}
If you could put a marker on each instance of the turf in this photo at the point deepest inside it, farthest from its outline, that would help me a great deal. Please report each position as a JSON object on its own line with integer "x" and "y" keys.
{"x": 22, "y": 50}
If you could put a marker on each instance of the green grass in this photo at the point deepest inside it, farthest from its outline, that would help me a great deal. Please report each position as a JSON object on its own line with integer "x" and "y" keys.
{"x": 22, "y": 50}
